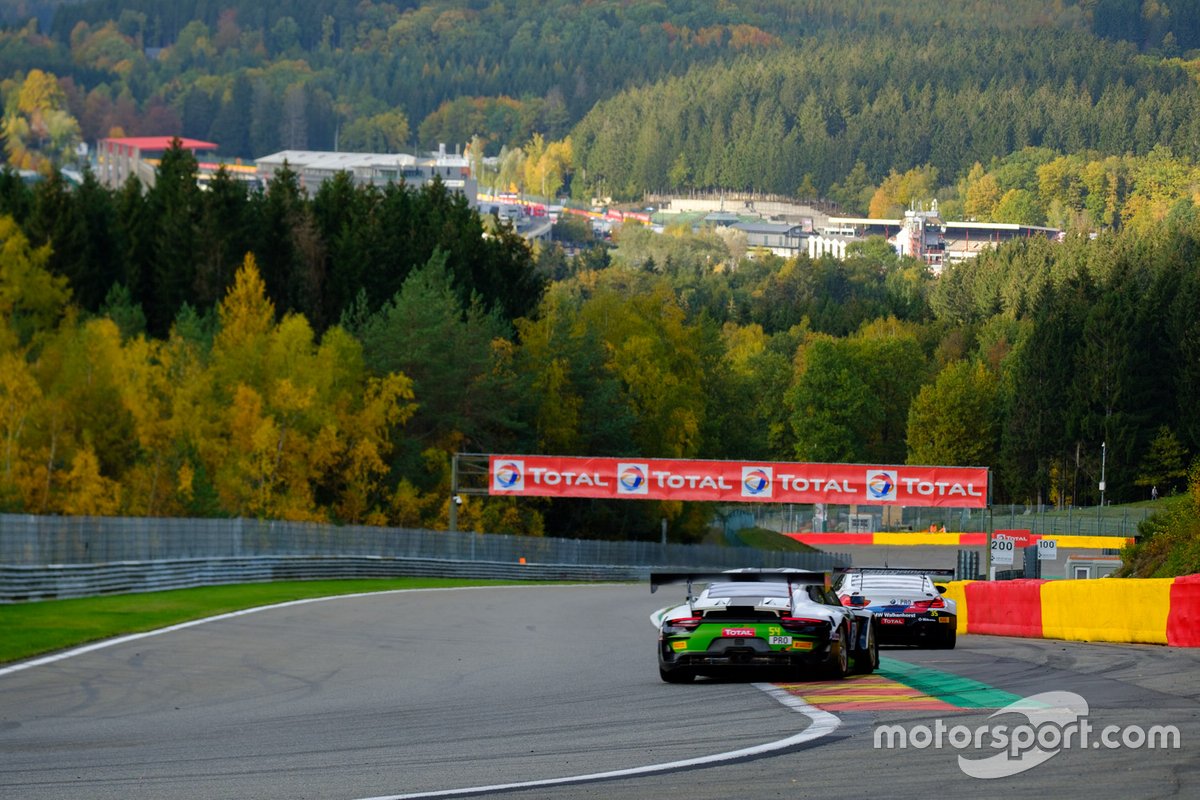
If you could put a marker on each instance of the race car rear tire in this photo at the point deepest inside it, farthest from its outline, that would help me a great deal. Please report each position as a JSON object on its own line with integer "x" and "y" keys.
{"x": 948, "y": 639}
{"x": 677, "y": 675}
{"x": 838, "y": 665}
{"x": 868, "y": 659}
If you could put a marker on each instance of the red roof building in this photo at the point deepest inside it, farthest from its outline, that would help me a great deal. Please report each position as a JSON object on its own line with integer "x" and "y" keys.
{"x": 118, "y": 158}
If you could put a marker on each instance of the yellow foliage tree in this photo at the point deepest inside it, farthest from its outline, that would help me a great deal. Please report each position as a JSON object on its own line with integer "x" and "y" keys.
{"x": 246, "y": 318}
{"x": 39, "y": 125}
{"x": 31, "y": 298}
{"x": 898, "y": 191}
{"x": 146, "y": 390}
{"x": 19, "y": 395}
{"x": 982, "y": 196}
{"x": 87, "y": 493}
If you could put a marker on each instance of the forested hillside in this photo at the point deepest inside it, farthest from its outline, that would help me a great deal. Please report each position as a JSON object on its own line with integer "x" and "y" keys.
{"x": 890, "y": 102}
{"x": 273, "y": 353}
{"x": 671, "y": 345}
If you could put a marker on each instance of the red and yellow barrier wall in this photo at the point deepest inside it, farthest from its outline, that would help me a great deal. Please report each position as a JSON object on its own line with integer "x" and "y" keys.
{"x": 951, "y": 539}
{"x": 1146, "y": 610}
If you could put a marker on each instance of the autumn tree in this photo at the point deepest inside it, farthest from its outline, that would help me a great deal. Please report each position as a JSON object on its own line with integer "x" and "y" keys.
{"x": 38, "y": 126}
{"x": 955, "y": 420}
{"x": 31, "y": 298}
{"x": 899, "y": 190}
{"x": 298, "y": 430}
{"x": 850, "y": 399}
{"x": 387, "y": 132}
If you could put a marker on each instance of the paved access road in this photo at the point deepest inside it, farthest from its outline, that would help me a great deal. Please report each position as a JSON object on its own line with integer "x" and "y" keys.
{"x": 428, "y": 691}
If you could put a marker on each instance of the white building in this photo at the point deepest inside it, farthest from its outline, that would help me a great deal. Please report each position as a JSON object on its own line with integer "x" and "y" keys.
{"x": 374, "y": 169}
{"x": 924, "y": 235}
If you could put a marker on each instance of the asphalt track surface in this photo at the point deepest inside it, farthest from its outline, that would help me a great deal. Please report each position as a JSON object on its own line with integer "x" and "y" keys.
{"x": 437, "y": 691}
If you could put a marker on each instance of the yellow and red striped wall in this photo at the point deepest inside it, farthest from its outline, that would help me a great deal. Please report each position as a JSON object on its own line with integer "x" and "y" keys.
{"x": 1146, "y": 610}
{"x": 952, "y": 539}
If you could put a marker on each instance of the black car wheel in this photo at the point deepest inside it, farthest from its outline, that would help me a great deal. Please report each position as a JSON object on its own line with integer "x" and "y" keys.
{"x": 948, "y": 639}
{"x": 867, "y": 660}
{"x": 838, "y": 665}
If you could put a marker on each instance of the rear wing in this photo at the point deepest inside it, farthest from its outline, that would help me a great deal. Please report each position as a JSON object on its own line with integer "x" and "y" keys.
{"x": 893, "y": 571}
{"x": 791, "y": 577}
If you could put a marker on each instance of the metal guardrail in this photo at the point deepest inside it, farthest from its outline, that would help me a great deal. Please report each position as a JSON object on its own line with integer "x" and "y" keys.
{"x": 21, "y": 583}
{"x": 42, "y": 557}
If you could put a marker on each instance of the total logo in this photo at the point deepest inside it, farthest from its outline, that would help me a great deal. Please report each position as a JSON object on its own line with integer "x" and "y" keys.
{"x": 509, "y": 476}
{"x": 757, "y": 481}
{"x": 632, "y": 479}
{"x": 881, "y": 484}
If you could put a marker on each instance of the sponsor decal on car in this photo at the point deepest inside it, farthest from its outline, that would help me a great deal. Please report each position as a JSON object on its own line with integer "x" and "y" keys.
{"x": 891, "y": 621}
{"x": 784, "y": 640}
{"x": 678, "y": 645}
{"x": 801, "y": 644}
{"x": 735, "y": 632}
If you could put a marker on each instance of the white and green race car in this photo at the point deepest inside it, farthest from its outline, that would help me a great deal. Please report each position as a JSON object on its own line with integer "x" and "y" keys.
{"x": 787, "y": 622}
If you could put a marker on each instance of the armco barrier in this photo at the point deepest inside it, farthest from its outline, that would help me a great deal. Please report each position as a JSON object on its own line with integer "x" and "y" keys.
{"x": 19, "y": 583}
{"x": 1130, "y": 610}
{"x": 43, "y": 557}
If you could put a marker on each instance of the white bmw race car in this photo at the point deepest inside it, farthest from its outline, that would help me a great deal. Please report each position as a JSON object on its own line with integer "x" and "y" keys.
{"x": 908, "y": 604}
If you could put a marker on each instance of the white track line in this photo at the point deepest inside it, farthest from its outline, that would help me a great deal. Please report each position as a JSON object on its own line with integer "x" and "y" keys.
{"x": 823, "y": 724}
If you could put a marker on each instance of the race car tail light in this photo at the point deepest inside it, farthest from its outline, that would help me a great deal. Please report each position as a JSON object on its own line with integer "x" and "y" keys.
{"x": 687, "y": 623}
{"x": 925, "y": 605}
{"x": 800, "y": 623}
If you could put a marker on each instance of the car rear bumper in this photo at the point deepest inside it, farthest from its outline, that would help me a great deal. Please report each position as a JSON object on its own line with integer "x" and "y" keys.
{"x": 745, "y": 656}
{"x": 898, "y": 629}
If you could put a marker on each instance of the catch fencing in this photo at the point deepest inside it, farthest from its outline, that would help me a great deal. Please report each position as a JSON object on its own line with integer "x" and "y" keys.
{"x": 53, "y": 557}
{"x": 1093, "y": 521}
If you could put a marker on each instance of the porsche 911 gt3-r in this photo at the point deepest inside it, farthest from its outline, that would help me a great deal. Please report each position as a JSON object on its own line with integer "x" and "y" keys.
{"x": 783, "y": 620}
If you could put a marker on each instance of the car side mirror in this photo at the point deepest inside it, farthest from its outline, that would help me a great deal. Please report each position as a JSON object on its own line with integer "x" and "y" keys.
{"x": 941, "y": 589}
{"x": 857, "y": 600}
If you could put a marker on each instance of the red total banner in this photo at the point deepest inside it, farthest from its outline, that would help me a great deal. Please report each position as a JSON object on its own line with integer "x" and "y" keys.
{"x": 737, "y": 481}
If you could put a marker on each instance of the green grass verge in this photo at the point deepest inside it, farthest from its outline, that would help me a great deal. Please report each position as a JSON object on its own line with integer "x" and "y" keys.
{"x": 764, "y": 539}
{"x": 31, "y": 629}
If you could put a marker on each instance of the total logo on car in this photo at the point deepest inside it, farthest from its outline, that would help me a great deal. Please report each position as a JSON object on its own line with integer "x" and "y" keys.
{"x": 908, "y": 605}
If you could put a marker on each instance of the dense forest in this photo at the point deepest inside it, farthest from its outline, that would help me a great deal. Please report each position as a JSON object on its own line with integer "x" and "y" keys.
{"x": 893, "y": 85}
{"x": 291, "y": 381}
{"x": 263, "y": 351}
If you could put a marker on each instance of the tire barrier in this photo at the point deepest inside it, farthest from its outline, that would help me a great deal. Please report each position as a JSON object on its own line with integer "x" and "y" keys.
{"x": 1124, "y": 610}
